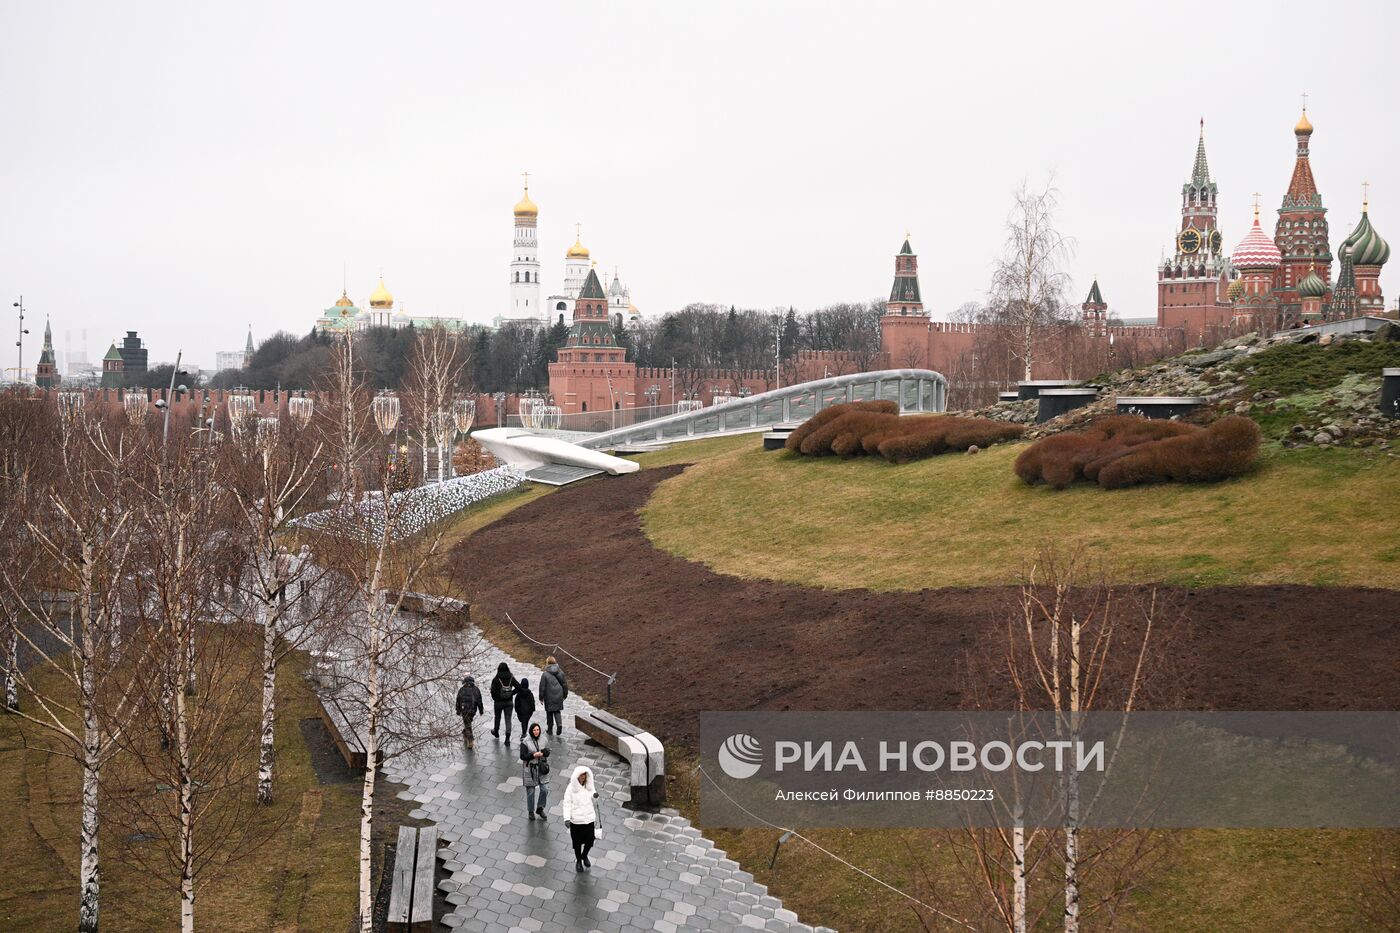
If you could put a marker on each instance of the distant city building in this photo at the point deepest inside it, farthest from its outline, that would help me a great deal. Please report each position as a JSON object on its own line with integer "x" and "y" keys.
{"x": 229, "y": 359}
{"x": 345, "y": 317}
{"x": 133, "y": 354}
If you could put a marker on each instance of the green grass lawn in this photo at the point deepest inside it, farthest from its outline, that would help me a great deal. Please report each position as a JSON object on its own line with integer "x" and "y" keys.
{"x": 1302, "y": 516}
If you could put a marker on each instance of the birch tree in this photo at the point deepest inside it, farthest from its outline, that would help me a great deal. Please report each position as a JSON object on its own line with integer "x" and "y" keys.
{"x": 194, "y": 755}
{"x": 393, "y": 667}
{"x": 1029, "y": 284}
{"x": 83, "y": 689}
{"x": 273, "y": 474}
{"x": 1075, "y": 644}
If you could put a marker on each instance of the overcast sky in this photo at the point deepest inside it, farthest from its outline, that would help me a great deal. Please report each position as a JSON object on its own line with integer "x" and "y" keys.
{"x": 188, "y": 169}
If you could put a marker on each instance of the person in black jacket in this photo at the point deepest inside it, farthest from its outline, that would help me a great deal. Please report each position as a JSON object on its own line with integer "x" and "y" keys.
{"x": 468, "y": 705}
{"x": 524, "y": 705}
{"x": 502, "y": 698}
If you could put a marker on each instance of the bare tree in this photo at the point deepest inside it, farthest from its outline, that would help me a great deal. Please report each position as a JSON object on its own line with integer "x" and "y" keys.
{"x": 392, "y": 664}
{"x": 273, "y": 472}
{"x": 1029, "y": 283}
{"x": 194, "y": 753}
{"x": 77, "y": 540}
{"x": 1072, "y": 643}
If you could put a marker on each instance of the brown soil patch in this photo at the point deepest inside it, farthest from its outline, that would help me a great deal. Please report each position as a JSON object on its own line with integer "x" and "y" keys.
{"x": 575, "y": 567}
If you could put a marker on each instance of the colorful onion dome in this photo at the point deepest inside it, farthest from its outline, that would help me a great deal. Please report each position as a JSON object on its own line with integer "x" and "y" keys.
{"x": 1312, "y": 285}
{"x": 1256, "y": 250}
{"x": 1304, "y": 127}
{"x": 577, "y": 251}
{"x": 525, "y": 207}
{"x": 380, "y": 297}
{"x": 1236, "y": 290}
{"x": 1367, "y": 247}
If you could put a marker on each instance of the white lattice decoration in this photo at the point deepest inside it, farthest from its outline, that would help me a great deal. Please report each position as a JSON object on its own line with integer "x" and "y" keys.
{"x": 301, "y": 409}
{"x": 386, "y": 412}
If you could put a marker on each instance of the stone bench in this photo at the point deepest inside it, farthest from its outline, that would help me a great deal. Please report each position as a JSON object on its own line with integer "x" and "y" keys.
{"x": 411, "y": 887}
{"x": 641, "y": 750}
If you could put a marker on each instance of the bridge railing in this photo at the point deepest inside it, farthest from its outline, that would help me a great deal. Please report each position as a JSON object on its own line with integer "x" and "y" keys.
{"x": 914, "y": 390}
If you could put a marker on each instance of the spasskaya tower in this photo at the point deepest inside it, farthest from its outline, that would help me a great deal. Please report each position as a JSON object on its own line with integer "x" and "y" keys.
{"x": 1191, "y": 284}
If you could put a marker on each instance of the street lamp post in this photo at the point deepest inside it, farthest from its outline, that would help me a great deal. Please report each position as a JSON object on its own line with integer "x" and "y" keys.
{"x": 19, "y": 371}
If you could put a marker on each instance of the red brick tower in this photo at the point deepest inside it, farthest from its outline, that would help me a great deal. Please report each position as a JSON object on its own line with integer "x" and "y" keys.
{"x": 904, "y": 330}
{"x": 1301, "y": 232}
{"x": 1191, "y": 283}
{"x": 592, "y": 373}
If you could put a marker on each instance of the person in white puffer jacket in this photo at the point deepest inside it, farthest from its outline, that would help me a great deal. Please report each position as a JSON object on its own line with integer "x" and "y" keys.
{"x": 580, "y": 814}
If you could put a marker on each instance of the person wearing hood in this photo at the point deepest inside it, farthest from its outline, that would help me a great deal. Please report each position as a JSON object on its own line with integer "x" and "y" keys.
{"x": 581, "y": 815}
{"x": 468, "y": 705}
{"x": 554, "y": 690}
{"x": 534, "y": 767}
{"x": 503, "y": 698}
{"x": 524, "y": 706}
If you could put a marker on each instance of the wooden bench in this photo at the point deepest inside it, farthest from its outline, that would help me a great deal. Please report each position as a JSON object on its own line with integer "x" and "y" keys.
{"x": 342, "y": 731}
{"x": 641, "y": 750}
{"x": 454, "y": 614}
{"x": 411, "y": 889}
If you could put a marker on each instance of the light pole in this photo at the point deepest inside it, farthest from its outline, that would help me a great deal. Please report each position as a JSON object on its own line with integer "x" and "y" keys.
{"x": 170, "y": 397}
{"x": 19, "y": 371}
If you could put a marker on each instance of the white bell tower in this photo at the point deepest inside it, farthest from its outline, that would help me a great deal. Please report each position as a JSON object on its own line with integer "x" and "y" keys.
{"x": 525, "y": 291}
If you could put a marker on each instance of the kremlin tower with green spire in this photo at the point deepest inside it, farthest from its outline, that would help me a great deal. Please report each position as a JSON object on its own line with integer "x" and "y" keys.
{"x": 46, "y": 375}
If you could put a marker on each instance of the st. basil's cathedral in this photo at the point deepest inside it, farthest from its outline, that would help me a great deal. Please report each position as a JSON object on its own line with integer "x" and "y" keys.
{"x": 1277, "y": 281}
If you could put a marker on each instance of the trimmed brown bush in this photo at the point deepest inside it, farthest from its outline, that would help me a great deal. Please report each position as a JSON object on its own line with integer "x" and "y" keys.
{"x": 877, "y": 428}
{"x": 1124, "y": 450}
{"x": 1224, "y": 449}
{"x": 827, "y": 415}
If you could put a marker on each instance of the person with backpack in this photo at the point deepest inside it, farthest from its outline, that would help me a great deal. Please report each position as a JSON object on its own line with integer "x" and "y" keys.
{"x": 554, "y": 690}
{"x": 524, "y": 705}
{"x": 534, "y": 758}
{"x": 580, "y": 815}
{"x": 503, "y": 698}
{"x": 468, "y": 705}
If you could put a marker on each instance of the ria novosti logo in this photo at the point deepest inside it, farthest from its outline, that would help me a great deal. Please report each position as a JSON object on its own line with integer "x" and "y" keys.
{"x": 740, "y": 756}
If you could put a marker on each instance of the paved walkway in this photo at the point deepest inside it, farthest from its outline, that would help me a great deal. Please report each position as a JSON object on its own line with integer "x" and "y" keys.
{"x": 650, "y": 871}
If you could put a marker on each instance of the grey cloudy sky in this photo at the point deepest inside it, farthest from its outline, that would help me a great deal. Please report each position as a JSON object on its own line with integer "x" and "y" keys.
{"x": 188, "y": 169}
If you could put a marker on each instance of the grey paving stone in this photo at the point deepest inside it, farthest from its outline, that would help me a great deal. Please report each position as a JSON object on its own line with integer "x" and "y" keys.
{"x": 650, "y": 871}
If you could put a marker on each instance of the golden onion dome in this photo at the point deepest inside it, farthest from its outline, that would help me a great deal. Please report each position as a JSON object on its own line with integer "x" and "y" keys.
{"x": 380, "y": 297}
{"x": 526, "y": 207}
{"x": 577, "y": 251}
{"x": 1304, "y": 127}
{"x": 344, "y": 301}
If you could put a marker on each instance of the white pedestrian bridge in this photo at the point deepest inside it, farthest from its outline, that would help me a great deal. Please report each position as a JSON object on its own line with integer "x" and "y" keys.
{"x": 574, "y": 449}
{"x": 914, "y": 390}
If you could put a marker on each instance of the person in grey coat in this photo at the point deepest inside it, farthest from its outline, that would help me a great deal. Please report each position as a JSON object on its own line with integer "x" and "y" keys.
{"x": 534, "y": 768}
{"x": 554, "y": 690}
